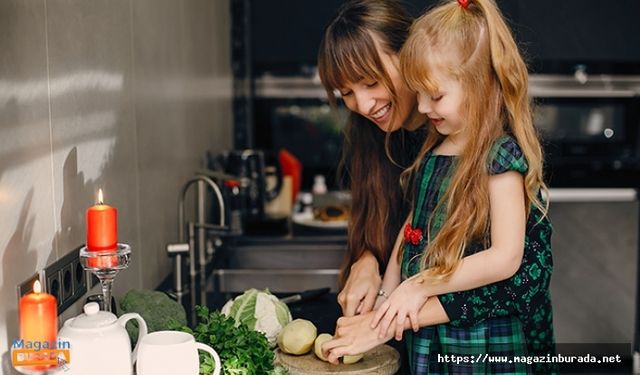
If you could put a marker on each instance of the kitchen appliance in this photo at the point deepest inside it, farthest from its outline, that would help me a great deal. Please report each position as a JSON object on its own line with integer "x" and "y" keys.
{"x": 590, "y": 126}
{"x": 99, "y": 342}
{"x": 250, "y": 167}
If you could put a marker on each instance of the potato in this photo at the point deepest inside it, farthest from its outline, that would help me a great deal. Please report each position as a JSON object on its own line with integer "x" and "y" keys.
{"x": 297, "y": 337}
{"x": 317, "y": 346}
{"x": 351, "y": 359}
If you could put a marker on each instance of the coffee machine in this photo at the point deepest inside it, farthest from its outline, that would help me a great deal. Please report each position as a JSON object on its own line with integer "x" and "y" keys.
{"x": 250, "y": 169}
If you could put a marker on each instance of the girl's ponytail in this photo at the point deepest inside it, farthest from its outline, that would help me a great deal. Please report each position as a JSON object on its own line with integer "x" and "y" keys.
{"x": 512, "y": 75}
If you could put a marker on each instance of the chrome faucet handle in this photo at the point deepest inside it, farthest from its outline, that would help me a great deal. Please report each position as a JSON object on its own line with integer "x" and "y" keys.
{"x": 177, "y": 248}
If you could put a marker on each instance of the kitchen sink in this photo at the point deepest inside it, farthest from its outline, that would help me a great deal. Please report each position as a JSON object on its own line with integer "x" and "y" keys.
{"x": 282, "y": 264}
{"x": 276, "y": 280}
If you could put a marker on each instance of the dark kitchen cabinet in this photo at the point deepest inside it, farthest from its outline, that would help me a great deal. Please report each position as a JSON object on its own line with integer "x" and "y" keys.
{"x": 554, "y": 35}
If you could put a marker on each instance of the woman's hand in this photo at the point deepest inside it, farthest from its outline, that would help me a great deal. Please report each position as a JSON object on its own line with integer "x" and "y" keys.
{"x": 361, "y": 289}
{"x": 354, "y": 335}
{"x": 405, "y": 301}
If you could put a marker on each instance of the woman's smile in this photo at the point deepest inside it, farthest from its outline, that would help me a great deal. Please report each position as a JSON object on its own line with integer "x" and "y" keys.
{"x": 381, "y": 115}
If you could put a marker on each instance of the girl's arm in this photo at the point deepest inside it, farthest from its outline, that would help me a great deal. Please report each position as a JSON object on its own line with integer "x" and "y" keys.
{"x": 499, "y": 262}
{"x": 503, "y": 258}
{"x": 361, "y": 289}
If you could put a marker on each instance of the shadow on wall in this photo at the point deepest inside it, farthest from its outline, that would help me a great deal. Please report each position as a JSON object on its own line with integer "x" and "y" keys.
{"x": 75, "y": 195}
{"x": 19, "y": 240}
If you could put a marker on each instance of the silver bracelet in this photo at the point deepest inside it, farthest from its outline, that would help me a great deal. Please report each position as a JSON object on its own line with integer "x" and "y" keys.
{"x": 382, "y": 293}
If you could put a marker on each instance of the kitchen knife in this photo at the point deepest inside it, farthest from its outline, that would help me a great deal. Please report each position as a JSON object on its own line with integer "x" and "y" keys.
{"x": 304, "y": 296}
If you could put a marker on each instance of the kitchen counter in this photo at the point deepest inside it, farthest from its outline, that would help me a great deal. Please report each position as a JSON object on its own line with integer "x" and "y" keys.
{"x": 323, "y": 311}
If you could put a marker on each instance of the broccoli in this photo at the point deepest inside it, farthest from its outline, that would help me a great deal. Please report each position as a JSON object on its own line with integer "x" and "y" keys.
{"x": 156, "y": 308}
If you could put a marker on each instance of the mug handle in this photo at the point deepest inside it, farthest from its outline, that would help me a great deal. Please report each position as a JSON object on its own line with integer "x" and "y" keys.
{"x": 213, "y": 353}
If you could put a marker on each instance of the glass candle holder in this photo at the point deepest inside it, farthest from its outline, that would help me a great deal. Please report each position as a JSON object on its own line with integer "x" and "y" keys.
{"x": 106, "y": 264}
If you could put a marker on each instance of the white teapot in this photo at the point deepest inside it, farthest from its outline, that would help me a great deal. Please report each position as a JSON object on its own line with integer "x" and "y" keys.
{"x": 99, "y": 342}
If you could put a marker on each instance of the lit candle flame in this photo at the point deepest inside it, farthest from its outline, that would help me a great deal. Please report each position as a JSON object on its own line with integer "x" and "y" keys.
{"x": 100, "y": 198}
{"x": 37, "y": 288}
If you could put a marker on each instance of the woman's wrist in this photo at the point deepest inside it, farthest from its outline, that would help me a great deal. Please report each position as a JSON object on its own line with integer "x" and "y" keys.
{"x": 368, "y": 260}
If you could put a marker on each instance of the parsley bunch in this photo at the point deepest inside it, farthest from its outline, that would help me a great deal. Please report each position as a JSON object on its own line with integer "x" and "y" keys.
{"x": 241, "y": 350}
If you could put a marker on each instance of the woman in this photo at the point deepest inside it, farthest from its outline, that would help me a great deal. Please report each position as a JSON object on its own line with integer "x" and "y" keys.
{"x": 380, "y": 138}
{"x": 359, "y": 57}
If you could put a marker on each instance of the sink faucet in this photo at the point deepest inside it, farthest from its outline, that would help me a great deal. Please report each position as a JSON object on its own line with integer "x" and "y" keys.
{"x": 201, "y": 180}
{"x": 183, "y": 247}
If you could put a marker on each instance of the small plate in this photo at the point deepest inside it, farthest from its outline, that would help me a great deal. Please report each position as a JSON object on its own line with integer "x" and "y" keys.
{"x": 308, "y": 220}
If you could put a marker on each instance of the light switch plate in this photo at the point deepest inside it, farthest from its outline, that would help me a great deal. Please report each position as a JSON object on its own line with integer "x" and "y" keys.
{"x": 65, "y": 279}
{"x": 27, "y": 285}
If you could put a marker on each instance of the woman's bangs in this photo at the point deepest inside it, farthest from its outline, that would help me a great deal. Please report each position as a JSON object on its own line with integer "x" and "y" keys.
{"x": 349, "y": 60}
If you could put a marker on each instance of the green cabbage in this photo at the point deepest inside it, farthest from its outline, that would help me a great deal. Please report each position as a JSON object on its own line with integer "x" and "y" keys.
{"x": 260, "y": 311}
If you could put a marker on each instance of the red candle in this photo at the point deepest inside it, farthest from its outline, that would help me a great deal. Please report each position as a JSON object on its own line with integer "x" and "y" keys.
{"x": 38, "y": 318}
{"x": 102, "y": 226}
{"x": 102, "y": 233}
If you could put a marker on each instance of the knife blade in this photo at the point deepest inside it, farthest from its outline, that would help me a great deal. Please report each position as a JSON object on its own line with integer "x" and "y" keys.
{"x": 304, "y": 296}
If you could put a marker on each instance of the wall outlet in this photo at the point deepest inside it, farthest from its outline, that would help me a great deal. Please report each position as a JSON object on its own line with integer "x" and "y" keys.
{"x": 53, "y": 284}
{"x": 79, "y": 280}
{"x": 65, "y": 280}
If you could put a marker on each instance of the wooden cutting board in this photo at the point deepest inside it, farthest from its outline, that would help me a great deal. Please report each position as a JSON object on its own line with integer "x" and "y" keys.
{"x": 383, "y": 360}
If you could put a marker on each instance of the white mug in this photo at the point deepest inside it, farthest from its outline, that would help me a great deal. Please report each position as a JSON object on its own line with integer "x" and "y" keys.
{"x": 170, "y": 353}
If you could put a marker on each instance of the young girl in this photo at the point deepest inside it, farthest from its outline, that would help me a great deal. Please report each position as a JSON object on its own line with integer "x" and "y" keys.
{"x": 477, "y": 205}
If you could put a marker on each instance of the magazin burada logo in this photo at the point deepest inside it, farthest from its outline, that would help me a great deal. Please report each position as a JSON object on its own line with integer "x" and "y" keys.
{"x": 40, "y": 353}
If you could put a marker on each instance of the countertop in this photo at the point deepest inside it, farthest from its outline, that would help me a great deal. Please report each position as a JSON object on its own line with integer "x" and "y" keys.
{"x": 323, "y": 311}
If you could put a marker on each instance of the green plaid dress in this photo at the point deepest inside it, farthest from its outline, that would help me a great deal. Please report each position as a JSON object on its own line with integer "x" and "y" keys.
{"x": 495, "y": 319}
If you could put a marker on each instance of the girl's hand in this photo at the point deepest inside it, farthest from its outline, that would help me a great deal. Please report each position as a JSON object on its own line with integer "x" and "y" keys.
{"x": 361, "y": 289}
{"x": 354, "y": 335}
{"x": 405, "y": 301}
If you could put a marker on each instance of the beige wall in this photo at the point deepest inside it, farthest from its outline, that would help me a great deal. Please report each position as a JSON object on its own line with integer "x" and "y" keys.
{"x": 126, "y": 95}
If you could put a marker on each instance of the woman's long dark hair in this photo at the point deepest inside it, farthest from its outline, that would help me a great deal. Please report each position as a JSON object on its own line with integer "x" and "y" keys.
{"x": 372, "y": 159}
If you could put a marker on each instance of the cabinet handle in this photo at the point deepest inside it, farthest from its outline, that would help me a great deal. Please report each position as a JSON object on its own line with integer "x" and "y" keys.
{"x": 592, "y": 195}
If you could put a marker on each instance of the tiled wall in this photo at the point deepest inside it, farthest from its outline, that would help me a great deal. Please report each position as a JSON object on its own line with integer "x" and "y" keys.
{"x": 126, "y": 95}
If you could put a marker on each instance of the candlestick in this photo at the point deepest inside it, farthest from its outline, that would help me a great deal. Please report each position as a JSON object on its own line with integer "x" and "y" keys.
{"x": 38, "y": 313}
{"x": 103, "y": 255}
{"x": 105, "y": 265}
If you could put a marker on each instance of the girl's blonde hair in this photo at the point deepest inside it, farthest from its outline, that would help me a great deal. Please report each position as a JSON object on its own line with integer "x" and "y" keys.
{"x": 348, "y": 53}
{"x": 474, "y": 46}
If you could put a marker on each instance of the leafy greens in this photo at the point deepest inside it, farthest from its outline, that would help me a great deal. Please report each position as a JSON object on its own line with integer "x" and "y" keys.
{"x": 242, "y": 351}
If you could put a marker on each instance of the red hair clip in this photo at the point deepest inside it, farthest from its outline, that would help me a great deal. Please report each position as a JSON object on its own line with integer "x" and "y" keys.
{"x": 464, "y": 3}
{"x": 412, "y": 235}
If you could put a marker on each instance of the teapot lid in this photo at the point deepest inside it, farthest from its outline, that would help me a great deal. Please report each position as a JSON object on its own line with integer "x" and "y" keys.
{"x": 93, "y": 317}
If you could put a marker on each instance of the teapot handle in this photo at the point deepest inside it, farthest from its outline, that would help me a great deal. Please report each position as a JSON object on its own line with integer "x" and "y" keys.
{"x": 142, "y": 330}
